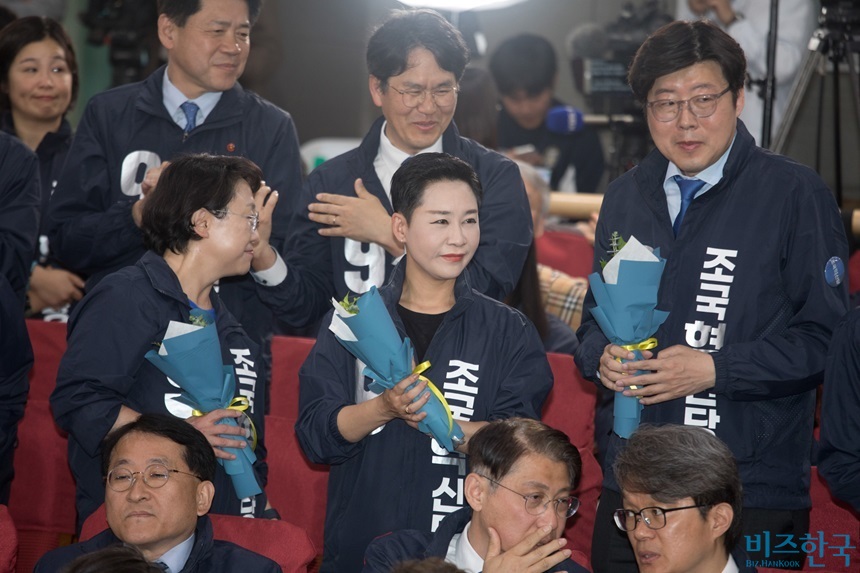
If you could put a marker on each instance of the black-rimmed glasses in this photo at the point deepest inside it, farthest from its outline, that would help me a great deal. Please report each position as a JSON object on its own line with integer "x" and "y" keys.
{"x": 442, "y": 97}
{"x": 154, "y": 475}
{"x": 253, "y": 219}
{"x": 536, "y": 503}
{"x": 703, "y": 105}
{"x": 652, "y": 517}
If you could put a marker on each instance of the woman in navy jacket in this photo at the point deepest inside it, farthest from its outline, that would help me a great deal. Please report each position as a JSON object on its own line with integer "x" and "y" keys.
{"x": 486, "y": 358}
{"x": 39, "y": 76}
{"x": 200, "y": 225}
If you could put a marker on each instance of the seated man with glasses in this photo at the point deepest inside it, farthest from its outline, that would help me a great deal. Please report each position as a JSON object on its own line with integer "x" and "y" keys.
{"x": 158, "y": 489}
{"x": 682, "y": 500}
{"x": 518, "y": 491}
{"x": 340, "y": 237}
{"x": 753, "y": 283}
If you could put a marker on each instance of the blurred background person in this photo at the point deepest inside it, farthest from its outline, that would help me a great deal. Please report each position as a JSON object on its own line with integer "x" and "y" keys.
{"x": 38, "y": 86}
{"x": 748, "y": 22}
{"x": 477, "y": 112}
{"x": 525, "y": 70}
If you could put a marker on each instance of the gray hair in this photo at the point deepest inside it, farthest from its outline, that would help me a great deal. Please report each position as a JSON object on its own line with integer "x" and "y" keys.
{"x": 532, "y": 178}
{"x": 674, "y": 462}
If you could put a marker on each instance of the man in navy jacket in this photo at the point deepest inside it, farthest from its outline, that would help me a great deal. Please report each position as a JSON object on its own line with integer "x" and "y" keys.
{"x": 753, "y": 283}
{"x": 510, "y": 461}
{"x": 158, "y": 488}
{"x": 340, "y": 232}
{"x": 127, "y": 132}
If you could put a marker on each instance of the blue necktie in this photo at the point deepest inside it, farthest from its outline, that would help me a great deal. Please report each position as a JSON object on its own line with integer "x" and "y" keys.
{"x": 689, "y": 188}
{"x": 190, "y": 109}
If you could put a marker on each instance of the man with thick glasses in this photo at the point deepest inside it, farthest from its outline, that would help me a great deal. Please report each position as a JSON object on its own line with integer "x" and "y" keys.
{"x": 518, "y": 491}
{"x": 753, "y": 282}
{"x": 158, "y": 473}
{"x": 681, "y": 500}
{"x": 340, "y": 232}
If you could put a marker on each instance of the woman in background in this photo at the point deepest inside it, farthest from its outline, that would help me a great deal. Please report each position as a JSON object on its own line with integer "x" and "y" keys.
{"x": 38, "y": 86}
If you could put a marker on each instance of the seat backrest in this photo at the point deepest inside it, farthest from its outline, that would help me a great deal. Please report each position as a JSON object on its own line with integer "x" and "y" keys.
{"x": 280, "y": 541}
{"x": 288, "y": 355}
{"x": 8, "y": 541}
{"x": 567, "y": 252}
{"x": 296, "y": 487}
{"x": 42, "y": 499}
{"x": 830, "y": 522}
{"x": 570, "y": 408}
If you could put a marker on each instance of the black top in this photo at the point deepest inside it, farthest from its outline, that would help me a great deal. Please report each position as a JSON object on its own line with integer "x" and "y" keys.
{"x": 420, "y": 328}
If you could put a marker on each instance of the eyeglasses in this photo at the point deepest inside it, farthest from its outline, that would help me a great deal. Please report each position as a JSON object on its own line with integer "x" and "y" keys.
{"x": 536, "y": 503}
{"x": 653, "y": 517}
{"x": 155, "y": 476}
{"x": 442, "y": 97}
{"x": 701, "y": 106}
{"x": 253, "y": 219}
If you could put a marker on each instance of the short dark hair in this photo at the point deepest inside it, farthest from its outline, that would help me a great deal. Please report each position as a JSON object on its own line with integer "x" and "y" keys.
{"x": 416, "y": 173}
{"x": 391, "y": 44}
{"x": 23, "y": 31}
{"x": 498, "y": 446}
{"x": 114, "y": 558}
{"x": 681, "y": 44}
{"x": 189, "y": 183}
{"x": 196, "y": 450}
{"x": 178, "y": 11}
{"x": 526, "y": 62}
{"x": 675, "y": 462}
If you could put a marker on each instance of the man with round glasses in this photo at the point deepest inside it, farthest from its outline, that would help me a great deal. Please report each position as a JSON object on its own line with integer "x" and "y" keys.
{"x": 682, "y": 500}
{"x": 158, "y": 489}
{"x": 518, "y": 491}
{"x": 340, "y": 231}
{"x": 753, "y": 283}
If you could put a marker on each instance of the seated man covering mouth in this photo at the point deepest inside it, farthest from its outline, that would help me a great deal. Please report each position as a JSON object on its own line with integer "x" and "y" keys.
{"x": 518, "y": 490}
{"x": 682, "y": 501}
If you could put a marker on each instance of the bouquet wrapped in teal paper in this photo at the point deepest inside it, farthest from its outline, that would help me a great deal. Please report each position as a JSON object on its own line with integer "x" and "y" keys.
{"x": 366, "y": 330}
{"x": 190, "y": 355}
{"x": 626, "y": 301}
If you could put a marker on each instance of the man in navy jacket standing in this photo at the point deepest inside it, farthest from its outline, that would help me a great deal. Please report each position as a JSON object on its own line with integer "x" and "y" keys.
{"x": 193, "y": 105}
{"x": 753, "y": 285}
{"x": 340, "y": 232}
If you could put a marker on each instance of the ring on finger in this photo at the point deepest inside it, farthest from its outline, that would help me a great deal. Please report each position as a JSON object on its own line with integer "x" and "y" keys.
{"x": 334, "y": 220}
{"x": 407, "y": 408}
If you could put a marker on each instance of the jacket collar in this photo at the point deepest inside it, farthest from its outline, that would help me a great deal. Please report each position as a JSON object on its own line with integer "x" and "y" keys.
{"x": 463, "y": 293}
{"x": 53, "y": 140}
{"x": 150, "y": 100}
{"x": 370, "y": 144}
{"x": 452, "y": 525}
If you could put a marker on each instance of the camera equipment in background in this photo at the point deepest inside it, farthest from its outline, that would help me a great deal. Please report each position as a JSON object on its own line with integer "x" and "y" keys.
{"x": 599, "y": 59}
{"x": 129, "y": 29}
{"x": 838, "y": 40}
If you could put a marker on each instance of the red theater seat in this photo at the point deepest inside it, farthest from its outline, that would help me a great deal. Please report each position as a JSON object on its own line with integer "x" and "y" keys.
{"x": 8, "y": 541}
{"x": 565, "y": 251}
{"x": 42, "y": 500}
{"x": 280, "y": 541}
{"x": 288, "y": 355}
{"x": 570, "y": 408}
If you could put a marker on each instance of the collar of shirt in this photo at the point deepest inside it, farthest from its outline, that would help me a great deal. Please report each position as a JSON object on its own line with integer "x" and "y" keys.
{"x": 731, "y": 566}
{"x": 173, "y": 98}
{"x": 711, "y": 176}
{"x": 176, "y": 557}
{"x": 462, "y": 554}
{"x": 389, "y": 158}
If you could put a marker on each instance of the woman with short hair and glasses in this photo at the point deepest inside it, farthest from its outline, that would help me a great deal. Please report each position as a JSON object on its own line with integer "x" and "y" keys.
{"x": 200, "y": 226}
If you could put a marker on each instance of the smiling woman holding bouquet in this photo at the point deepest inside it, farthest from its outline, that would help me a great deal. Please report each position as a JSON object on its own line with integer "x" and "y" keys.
{"x": 200, "y": 225}
{"x": 485, "y": 358}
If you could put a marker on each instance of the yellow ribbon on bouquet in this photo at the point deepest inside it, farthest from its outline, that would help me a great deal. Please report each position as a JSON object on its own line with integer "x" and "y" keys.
{"x": 421, "y": 368}
{"x": 646, "y": 344}
{"x": 240, "y": 404}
